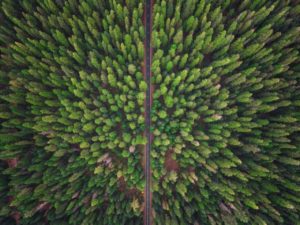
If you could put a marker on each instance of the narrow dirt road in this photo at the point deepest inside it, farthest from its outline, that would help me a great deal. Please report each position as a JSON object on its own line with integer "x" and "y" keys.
{"x": 147, "y": 20}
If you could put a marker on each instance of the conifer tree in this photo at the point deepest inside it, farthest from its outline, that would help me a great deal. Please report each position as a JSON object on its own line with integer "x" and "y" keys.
{"x": 225, "y": 112}
{"x": 70, "y": 81}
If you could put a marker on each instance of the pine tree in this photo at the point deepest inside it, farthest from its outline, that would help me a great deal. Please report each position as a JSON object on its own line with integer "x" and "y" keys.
{"x": 227, "y": 89}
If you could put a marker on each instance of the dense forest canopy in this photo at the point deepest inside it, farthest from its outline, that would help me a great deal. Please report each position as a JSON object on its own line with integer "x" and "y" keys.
{"x": 225, "y": 112}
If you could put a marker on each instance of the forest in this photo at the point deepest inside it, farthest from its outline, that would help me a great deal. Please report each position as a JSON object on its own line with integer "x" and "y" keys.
{"x": 225, "y": 112}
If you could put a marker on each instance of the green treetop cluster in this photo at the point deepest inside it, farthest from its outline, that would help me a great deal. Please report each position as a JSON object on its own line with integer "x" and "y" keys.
{"x": 72, "y": 95}
{"x": 226, "y": 112}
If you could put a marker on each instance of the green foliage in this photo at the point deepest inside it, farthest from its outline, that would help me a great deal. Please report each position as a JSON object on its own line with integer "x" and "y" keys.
{"x": 226, "y": 105}
{"x": 225, "y": 112}
{"x": 69, "y": 109}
